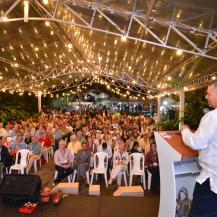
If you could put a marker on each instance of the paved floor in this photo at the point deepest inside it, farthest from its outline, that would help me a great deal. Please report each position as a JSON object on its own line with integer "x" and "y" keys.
{"x": 83, "y": 205}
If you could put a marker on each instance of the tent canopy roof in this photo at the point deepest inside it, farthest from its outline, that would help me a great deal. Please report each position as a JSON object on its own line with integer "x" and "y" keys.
{"x": 147, "y": 47}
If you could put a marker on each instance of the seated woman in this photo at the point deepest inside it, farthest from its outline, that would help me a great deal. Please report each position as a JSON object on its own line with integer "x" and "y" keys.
{"x": 62, "y": 161}
{"x": 35, "y": 149}
{"x": 136, "y": 148}
{"x": 83, "y": 161}
{"x": 120, "y": 162}
{"x": 92, "y": 148}
{"x": 151, "y": 161}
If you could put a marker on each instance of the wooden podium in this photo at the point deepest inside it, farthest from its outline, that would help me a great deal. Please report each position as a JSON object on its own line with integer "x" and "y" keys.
{"x": 178, "y": 168}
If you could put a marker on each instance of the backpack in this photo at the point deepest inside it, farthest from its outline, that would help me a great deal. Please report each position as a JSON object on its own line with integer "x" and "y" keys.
{"x": 183, "y": 206}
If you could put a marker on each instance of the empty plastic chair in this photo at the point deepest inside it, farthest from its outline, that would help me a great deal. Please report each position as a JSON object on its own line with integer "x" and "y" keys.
{"x": 21, "y": 162}
{"x": 100, "y": 165}
{"x": 137, "y": 167}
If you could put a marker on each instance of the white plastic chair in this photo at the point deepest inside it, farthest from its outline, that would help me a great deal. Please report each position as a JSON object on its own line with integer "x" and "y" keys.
{"x": 149, "y": 180}
{"x": 71, "y": 178}
{"x": 100, "y": 165}
{"x": 23, "y": 161}
{"x": 88, "y": 176}
{"x": 137, "y": 167}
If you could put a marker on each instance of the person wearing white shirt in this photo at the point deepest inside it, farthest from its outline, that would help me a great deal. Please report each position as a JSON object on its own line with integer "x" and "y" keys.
{"x": 204, "y": 140}
{"x": 120, "y": 162}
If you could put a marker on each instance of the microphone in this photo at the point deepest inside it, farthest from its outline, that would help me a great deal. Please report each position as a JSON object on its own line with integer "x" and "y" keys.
{"x": 205, "y": 110}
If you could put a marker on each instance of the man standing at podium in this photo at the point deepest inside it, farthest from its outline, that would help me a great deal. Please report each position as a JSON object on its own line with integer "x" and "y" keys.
{"x": 204, "y": 140}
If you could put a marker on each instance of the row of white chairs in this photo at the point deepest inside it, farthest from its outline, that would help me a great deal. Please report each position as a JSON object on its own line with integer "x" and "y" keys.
{"x": 100, "y": 167}
{"x": 22, "y": 160}
{"x": 137, "y": 168}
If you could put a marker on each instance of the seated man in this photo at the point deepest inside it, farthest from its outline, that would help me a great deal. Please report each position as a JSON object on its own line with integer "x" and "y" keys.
{"x": 74, "y": 145}
{"x": 83, "y": 160}
{"x": 35, "y": 149}
{"x": 62, "y": 161}
{"x": 18, "y": 144}
{"x": 5, "y": 158}
{"x": 120, "y": 162}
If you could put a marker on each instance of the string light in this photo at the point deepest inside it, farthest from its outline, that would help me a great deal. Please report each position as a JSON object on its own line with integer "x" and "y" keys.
{"x": 70, "y": 46}
{"x": 179, "y": 52}
{"x": 123, "y": 38}
{"x": 4, "y": 19}
{"x": 47, "y": 23}
{"x": 45, "y": 2}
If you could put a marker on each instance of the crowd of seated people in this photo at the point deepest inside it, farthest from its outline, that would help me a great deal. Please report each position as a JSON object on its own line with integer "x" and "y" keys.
{"x": 79, "y": 137}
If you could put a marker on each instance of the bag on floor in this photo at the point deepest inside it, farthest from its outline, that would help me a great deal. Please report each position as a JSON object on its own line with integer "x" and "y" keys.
{"x": 183, "y": 203}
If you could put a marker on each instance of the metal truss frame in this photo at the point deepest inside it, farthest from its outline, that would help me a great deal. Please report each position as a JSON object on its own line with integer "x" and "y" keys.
{"x": 72, "y": 84}
{"x": 119, "y": 84}
{"x": 193, "y": 84}
{"x": 200, "y": 82}
{"x": 184, "y": 64}
{"x": 123, "y": 81}
{"x": 143, "y": 21}
{"x": 15, "y": 64}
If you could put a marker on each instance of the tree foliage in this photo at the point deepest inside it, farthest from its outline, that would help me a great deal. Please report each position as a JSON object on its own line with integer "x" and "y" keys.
{"x": 15, "y": 107}
{"x": 195, "y": 102}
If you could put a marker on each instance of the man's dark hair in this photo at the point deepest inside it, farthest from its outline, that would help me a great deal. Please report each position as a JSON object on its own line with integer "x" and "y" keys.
{"x": 104, "y": 145}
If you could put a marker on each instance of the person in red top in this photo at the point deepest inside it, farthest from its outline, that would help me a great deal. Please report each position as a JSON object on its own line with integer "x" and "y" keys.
{"x": 46, "y": 144}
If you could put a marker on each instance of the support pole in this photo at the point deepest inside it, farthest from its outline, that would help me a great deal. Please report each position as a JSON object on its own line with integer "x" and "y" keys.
{"x": 158, "y": 108}
{"x": 39, "y": 102}
{"x": 181, "y": 107}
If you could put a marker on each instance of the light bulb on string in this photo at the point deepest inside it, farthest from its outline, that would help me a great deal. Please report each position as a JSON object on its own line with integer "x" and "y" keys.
{"x": 123, "y": 38}
{"x": 45, "y": 2}
{"x": 179, "y": 52}
{"x": 47, "y": 23}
